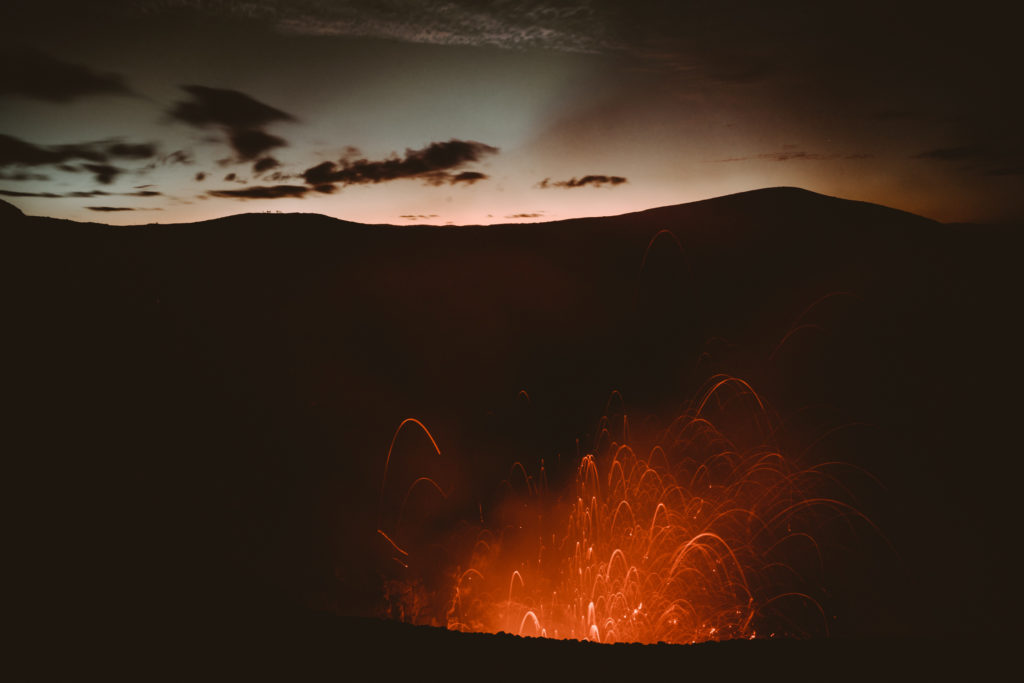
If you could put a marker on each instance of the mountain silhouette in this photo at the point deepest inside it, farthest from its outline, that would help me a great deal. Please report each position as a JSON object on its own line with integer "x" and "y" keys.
{"x": 203, "y": 409}
{"x": 9, "y": 211}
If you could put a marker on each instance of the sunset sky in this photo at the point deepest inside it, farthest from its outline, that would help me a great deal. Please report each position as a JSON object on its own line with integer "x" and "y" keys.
{"x": 464, "y": 112}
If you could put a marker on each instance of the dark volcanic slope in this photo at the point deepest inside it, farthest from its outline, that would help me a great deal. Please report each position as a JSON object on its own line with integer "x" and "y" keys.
{"x": 398, "y": 651}
{"x": 203, "y": 410}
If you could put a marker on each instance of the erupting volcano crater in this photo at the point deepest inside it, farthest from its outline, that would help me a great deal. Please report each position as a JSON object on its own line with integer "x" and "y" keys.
{"x": 701, "y": 530}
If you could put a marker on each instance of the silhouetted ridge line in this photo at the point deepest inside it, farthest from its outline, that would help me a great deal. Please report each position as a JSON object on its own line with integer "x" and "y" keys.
{"x": 8, "y": 210}
{"x": 762, "y": 202}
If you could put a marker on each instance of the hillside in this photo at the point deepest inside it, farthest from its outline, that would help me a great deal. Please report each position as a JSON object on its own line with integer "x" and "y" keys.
{"x": 204, "y": 410}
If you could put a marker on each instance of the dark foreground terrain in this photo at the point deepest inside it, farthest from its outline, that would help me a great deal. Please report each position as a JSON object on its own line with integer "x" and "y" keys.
{"x": 201, "y": 412}
{"x": 436, "y": 652}
{"x": 315, "y": 646}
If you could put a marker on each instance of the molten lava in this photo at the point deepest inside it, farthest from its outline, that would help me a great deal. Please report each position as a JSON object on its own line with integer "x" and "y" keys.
{"x": 709, "y": 533}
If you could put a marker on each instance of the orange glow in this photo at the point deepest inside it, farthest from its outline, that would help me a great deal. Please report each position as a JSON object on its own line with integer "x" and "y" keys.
{"x": 710, "y": 533}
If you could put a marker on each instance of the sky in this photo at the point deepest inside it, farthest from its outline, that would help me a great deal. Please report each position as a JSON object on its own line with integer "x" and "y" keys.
{"x": 478, "y": 112}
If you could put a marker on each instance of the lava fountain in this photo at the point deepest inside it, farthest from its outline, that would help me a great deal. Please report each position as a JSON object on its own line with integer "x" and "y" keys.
{"x": 701, "y": 531}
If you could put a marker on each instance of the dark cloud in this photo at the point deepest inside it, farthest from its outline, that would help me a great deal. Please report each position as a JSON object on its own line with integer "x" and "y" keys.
{"x": 125, "y": 150}
{"x": 110, "y": 208}
{"x": 526, "y": 215}
{"x": 241, "y": 117}
{"x": 594, "y": 180}
{"x": 86, "y": 150}
{"x": 795, "y": 156}
{"x": 230, "y": 177}
{"x": 432, "y": 164}
{"x": 15, "y": 152}
{"x": 468, "y": 177}
{"x": 230, "y": 109}
{"x": 435, "y": 178}
{"x": 263, "y": 192}
{"x": 321, "y": 173}
{"x": 251, "y": 143}
{"x": 23, "y": 175}
{"x": 731, "y": 42}
{"x": 565, "y": 25}
{"x": 14, "y": 193}
{"x": 200, "y": 177}
{"x": 418, "y": 216}
{"x": 560, "y": 24}
{"x": 951, "y": 153}
{"x": 178, "y": 157}
{"x": 265, "y": 164}
{"x": 38, "y": 76}
{"x": 82, "y": 194}
{"x": 105, "y": 173}
{"x": 18, "y": 152}
{"x": 90, "y": 193}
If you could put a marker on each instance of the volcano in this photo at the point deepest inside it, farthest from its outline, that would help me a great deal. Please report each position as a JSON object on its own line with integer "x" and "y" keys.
{"x": 203, "y": 411}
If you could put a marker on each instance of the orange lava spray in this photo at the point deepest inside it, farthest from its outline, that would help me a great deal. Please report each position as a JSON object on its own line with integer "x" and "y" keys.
{"x": 710, "y": 533}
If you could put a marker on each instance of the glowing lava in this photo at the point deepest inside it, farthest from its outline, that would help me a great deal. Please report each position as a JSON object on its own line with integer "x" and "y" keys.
{"x": 708, "y": 534}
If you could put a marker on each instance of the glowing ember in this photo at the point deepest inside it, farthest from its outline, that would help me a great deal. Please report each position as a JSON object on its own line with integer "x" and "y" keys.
{"x": 708, "y": 534}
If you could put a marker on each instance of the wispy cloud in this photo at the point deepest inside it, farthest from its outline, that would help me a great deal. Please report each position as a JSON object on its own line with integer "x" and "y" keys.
{"x": 432, "y": 164}
{"x": 591, "y": 180}
{"x": 263, "y": 192}
{"x": 82, "y": 194}
{"x": 790, "y": 153}
{"x": 38, "y": 76}
{"x": 96, "y": 156}
{"x": 241, "y": 118}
